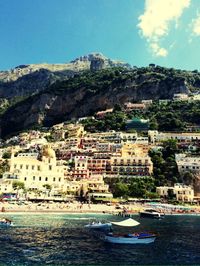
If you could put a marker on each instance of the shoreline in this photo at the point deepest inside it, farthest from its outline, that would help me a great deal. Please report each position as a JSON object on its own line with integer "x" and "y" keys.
{"x": 87, "y": 212}
{"x": 78, "y": 208}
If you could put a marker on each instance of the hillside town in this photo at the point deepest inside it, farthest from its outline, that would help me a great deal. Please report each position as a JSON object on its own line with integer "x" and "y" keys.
{"x": 66, "y": 162}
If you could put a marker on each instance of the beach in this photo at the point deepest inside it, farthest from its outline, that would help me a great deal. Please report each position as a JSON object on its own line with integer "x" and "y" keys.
{"x": 59, "y": 207}
{"x": 77, "y": 207}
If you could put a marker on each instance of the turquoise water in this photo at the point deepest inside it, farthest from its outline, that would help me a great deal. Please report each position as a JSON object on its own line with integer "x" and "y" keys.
{"x": 61, "y": 239}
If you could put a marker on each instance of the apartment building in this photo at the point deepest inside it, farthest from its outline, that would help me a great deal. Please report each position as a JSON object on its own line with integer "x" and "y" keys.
{"x": 80, "y": 168}
{"x": 130, "y": 166}
{"x": 134, "y": 107}
{"x": 180, "y": 191}
{"x": 187, "y": 163}
{"x": 181, "y": 137}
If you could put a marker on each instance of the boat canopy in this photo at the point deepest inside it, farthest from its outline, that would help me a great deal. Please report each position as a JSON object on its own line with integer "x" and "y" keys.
{"x": 127, "y": 222}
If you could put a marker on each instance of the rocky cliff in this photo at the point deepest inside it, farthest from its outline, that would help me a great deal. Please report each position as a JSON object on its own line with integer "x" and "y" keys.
{"x": 25, "y": 80}
{"x": 82, "y": 95}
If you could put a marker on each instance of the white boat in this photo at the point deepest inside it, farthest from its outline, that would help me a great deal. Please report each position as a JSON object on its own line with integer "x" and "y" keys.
{"x": 98, "y": 225}
{"x": 135, "y": 238}
{"x": 140, "y": 238}
{"x": 6, "y": 222}
{"x": 151, "y": 213}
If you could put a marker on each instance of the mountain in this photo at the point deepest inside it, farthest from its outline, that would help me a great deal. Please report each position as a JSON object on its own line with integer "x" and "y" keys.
{"x": 25, "y": 80}
{"x": 90, "y": 91}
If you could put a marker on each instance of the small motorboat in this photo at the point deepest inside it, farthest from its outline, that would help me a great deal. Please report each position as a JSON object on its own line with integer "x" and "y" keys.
{"x": 129, "y": 238}
{"x": 6, "y": 222}
{"x": 135, "y": 238}
{"x": 151, "y": 213}
{"x": 98, "y": 225}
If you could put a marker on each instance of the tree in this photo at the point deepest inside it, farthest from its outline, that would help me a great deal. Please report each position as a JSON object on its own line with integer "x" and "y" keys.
{"x": 4, "y": 166}
{"x": 121, "y": 190}
{"x": 47, "y": 186}
{"x": 188, "y": 178}
{"x": 153, "y": 125}
{"x": 18, "y": 185}
{"x": 137, "y": 189}
{"x": 170, "y": 148}
{"x": 6, "y": 155}
{"x": 171, "y": 194}
{"x": 117, "y": 107}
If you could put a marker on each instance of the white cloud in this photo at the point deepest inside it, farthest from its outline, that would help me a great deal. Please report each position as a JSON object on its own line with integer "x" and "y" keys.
{"x": 158, "y": 51}
{"x": 154, "y": 23}
{"x": 196, "y": 26}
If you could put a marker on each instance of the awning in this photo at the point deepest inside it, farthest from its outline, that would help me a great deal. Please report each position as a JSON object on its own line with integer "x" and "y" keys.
{"x": 127, "y": 222}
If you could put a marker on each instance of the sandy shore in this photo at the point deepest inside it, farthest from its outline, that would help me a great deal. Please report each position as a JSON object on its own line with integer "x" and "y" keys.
{"x": 85, "y": 208}
{"x": 64, "y": 208}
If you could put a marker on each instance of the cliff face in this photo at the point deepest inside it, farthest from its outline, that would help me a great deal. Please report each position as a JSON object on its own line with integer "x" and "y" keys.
{"x": 58, "y": 92}
{"x": 87, "y": 93}
{"x": 25, "y": 80}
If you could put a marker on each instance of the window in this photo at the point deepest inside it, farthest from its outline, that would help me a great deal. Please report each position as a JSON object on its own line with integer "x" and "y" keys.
{"x": 27, "y": 167}
{"x": 15, "y": 166}
{"x": 59, "y": 179}
{"x": 38, "y": 167}
{"x": 54, "y": 179}
{"x": 33, "y": 167}
{"x": 21, "y": 166}
{"x": 40, "y": 178}
{"x": 33, "y": 178}
{"x": 46, "y": 178}
{"x": 25, "y": 178}
{"x": 50, "y": 167}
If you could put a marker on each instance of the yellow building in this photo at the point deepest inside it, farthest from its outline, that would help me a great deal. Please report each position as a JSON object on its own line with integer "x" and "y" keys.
{"x": 181, "y": 192}
{"x": 134, "y": 150}
{"x": 37, "y": 170}
{"x": 62, "y": 131}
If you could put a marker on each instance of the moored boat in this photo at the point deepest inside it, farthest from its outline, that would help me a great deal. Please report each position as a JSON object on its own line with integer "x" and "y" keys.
{"x": 135, "y": 238}
{"x": 151, "y": 213}
{"x": 98, "y": 225}
{"x": 130, "y": 238}
{"x": 6, "y": 222}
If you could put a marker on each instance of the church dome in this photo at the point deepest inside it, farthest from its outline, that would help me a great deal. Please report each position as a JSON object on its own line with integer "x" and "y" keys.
{"x": 48, "y": 152}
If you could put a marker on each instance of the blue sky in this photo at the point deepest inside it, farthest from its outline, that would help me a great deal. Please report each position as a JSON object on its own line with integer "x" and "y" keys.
{"x": 164, "y": 32}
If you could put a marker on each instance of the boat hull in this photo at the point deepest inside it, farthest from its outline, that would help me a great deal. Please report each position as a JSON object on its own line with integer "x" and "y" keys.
{"x": 131, "y": 240}
{"x": 151, "y": 215}
{"x": 3, "y": 224}
{"x": 98, "y": 226}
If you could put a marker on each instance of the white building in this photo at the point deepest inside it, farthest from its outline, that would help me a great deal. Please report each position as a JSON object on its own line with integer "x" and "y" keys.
{"x": 187, "y": 163}
{"x": 36, "y": 171}
{"x": 182, "y": 192}
{"x": 180, "y": 97}
{"x": 155, "y": 136}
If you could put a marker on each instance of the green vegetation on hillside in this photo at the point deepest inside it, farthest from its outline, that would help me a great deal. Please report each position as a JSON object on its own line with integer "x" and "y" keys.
{"x": 165, "y": 169}
{"x": 89, "y": 91}
{"x": 141, "y": 187}
{"x": 174, "y": 116}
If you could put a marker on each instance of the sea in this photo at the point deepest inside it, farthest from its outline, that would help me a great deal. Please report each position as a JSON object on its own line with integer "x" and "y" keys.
{"x": 62, "y": 239}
